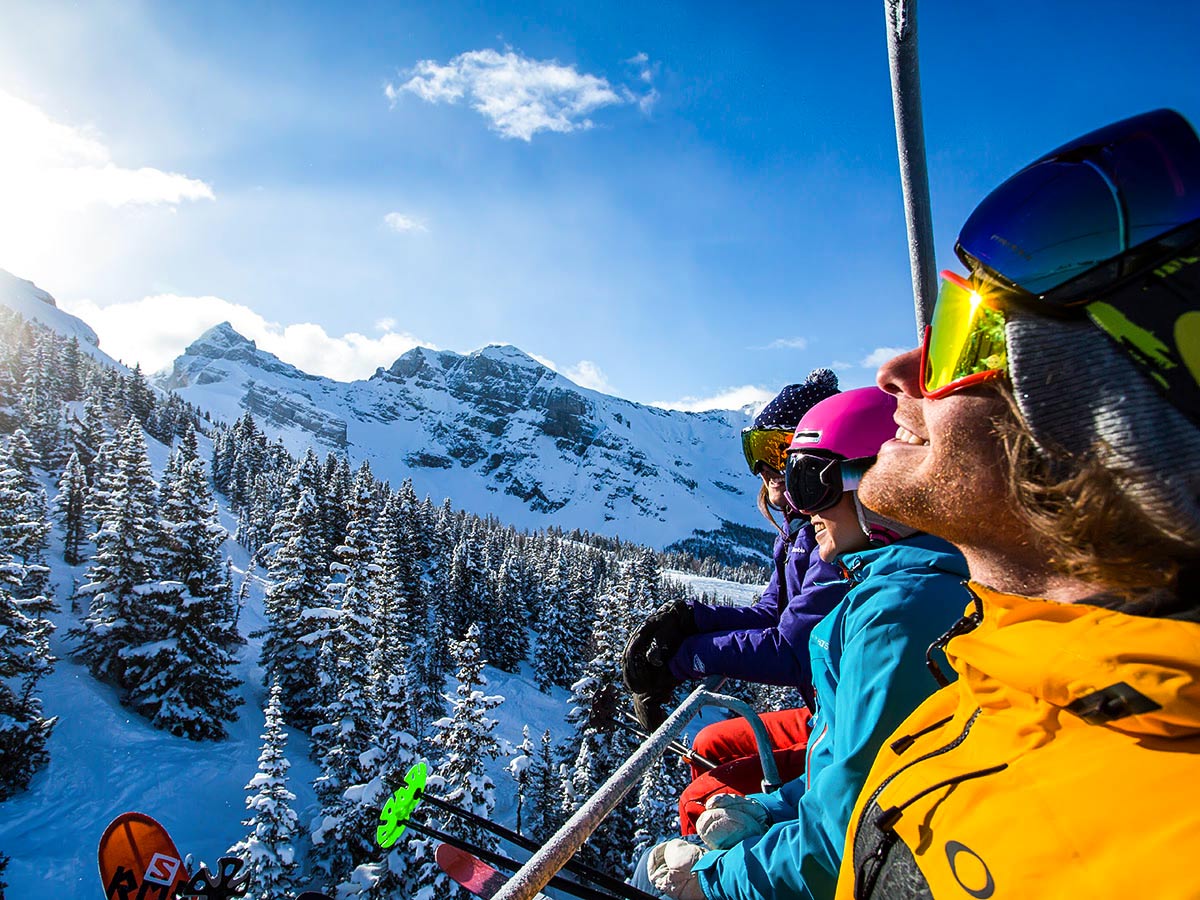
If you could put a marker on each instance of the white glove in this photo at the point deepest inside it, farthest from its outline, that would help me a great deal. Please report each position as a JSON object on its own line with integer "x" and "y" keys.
{"x": 728, "y": 819}
{"x": 670, "y": 869}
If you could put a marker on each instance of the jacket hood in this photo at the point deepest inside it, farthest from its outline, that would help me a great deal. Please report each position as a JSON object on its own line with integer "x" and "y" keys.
{"x": 917, "y": 551}
{"x": 1135, "y": 674}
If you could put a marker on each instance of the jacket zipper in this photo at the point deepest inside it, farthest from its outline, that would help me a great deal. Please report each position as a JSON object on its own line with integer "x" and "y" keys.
{"x": 861, "y": 888}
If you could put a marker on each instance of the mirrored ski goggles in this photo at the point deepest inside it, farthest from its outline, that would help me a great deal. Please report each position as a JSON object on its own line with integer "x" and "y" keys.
{"x": 965, "y": 343}
{"x": 1085, "y": 205}
{"x": 765, "y": 446}
{"x": 1152, "y": 315}
{"x": 816, "y": 481}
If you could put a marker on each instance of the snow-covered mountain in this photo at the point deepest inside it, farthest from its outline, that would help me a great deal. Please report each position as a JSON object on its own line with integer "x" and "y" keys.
{"x": 496, "y": 431}
{"x": 32, "y": 302}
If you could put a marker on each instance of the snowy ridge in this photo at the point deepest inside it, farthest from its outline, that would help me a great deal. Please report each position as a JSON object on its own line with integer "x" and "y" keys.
{"x": 32, "y": 302}
{"x": 496, "y": 431}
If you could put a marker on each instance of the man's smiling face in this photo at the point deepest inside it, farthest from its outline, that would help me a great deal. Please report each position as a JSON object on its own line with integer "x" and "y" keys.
{"x": 943, "y": 472}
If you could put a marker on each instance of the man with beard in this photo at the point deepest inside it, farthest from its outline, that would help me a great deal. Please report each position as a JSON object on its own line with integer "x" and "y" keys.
{"x": 1049, "y": 427}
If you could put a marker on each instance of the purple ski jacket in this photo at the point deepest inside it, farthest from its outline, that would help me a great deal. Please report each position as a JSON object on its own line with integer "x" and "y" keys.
{"x": 768, "y": 642}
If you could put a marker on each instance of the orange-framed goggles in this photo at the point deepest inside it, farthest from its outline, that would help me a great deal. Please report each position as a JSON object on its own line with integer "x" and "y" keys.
{"x": 765, "y": 446}
{"x": 965, "y": 342}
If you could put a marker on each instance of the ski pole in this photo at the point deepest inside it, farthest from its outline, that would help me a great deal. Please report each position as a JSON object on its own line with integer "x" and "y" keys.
{"x": 570, "y": 836}
{"x": 499, "y": 859}
{"x": 901, "y": 16}
{"x": 396, "y": 815}
{"x": 579, "y": 868}
{"x": 678, "y": 747}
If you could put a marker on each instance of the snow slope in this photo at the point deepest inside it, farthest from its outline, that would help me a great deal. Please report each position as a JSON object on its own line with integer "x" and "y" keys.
{"x": 104, "y": 760}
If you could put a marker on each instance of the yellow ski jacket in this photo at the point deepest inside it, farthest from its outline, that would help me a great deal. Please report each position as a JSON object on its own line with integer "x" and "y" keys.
{"x": 1063, "y": 762}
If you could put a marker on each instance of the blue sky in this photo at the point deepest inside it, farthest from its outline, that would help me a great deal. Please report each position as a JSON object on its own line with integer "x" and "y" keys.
{"x": 673, "y": 202}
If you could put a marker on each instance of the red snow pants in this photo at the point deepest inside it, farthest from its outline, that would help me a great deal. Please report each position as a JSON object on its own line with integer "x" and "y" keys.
{"x": 731, "y": 745}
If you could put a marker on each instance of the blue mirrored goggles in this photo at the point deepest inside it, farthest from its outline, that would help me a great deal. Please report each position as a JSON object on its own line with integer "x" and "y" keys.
{"x": 1085, "y": 206}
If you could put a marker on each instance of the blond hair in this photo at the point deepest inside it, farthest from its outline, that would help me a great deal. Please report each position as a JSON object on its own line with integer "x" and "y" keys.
{"x": 764, "y": 507}
{"x": 1080, "y": 509}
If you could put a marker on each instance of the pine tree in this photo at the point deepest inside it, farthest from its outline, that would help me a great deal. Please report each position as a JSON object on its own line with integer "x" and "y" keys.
{"x": 336, "y": 487}
{"x": 557, "y": 659}
{"x": 466, "y": 738}
{"x": 297, "y": 580}
{"x": 520, "y": 769}
{"x": 69, "y": 363}
{"x": 657, "y": 810}
{"x": 127, "y": 556}
{"x": 25, "y": 528}
{"x": 186, "y": 686}
{"x": 544, "y": 792}
{"x": 465, "y": 744}
{"x": 24, "y": 629}
{"x": 21, "y": 454}
{"x": 100, "y": 484}
{"x": 350, "y": 720}
{"x": 269, "y": 848}
{"x": 138, "y": 397}
{"x": 393, "y": 674}
{"x": 24, "y": 660}
{"x": 509, "y": 638}
{"x": 599, "y": 746}
{"x": 71, "y": 503}
{"x": 91, "y": 436}
{"x": 460, "y": 598}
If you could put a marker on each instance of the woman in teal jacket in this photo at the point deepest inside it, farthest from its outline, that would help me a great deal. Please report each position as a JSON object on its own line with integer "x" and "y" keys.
{"x": 869, "y": 671}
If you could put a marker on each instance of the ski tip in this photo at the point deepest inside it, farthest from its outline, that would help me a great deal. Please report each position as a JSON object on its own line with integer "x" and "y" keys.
{"x": 472, "y": 873}
{"x": 136, "y": 854}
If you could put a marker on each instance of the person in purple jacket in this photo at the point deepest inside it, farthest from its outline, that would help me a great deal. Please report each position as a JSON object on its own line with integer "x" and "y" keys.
{"x": 765, "y": 643}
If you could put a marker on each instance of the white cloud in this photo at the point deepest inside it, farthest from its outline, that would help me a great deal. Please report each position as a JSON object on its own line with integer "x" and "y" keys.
{"x": 155, "y": 330}
{"x": 584, "y": 373}
{"x": 587, "y": 374}
{"x": 796, "y": 343}
{"x": 519, "y": 96}
{"x": 385, "y": 324}
{"x": 646, "y": 101}
{"x": 731, "y": 398}
{"x": 646, "y": 72}
{"x": 51, "y": 167}
{"x": 402, "y": 223}
{"x": 880, "y": 355}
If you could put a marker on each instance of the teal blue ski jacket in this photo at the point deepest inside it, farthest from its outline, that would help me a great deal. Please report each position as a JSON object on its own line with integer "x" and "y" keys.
{"x": 869, "y": 671}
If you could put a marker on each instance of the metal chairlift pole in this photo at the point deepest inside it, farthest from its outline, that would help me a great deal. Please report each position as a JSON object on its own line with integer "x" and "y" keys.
{"x": 535, "y": 874}
{"x": 901, "y": 16}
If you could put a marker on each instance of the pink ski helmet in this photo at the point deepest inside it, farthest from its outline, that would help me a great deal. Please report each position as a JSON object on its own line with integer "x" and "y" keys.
{"x": 852, "y": 425}
{"x": 834, "y": 445}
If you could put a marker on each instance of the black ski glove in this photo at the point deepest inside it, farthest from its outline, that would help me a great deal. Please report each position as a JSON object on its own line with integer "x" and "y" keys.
{"x": 645, "y": 662}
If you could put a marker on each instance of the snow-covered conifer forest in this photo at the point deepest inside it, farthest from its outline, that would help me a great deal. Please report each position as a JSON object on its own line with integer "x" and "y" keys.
{"x": 254, "y": 646}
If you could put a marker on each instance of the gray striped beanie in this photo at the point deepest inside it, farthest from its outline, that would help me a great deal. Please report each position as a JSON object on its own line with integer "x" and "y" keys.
{"x": 1076, "y": 390}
